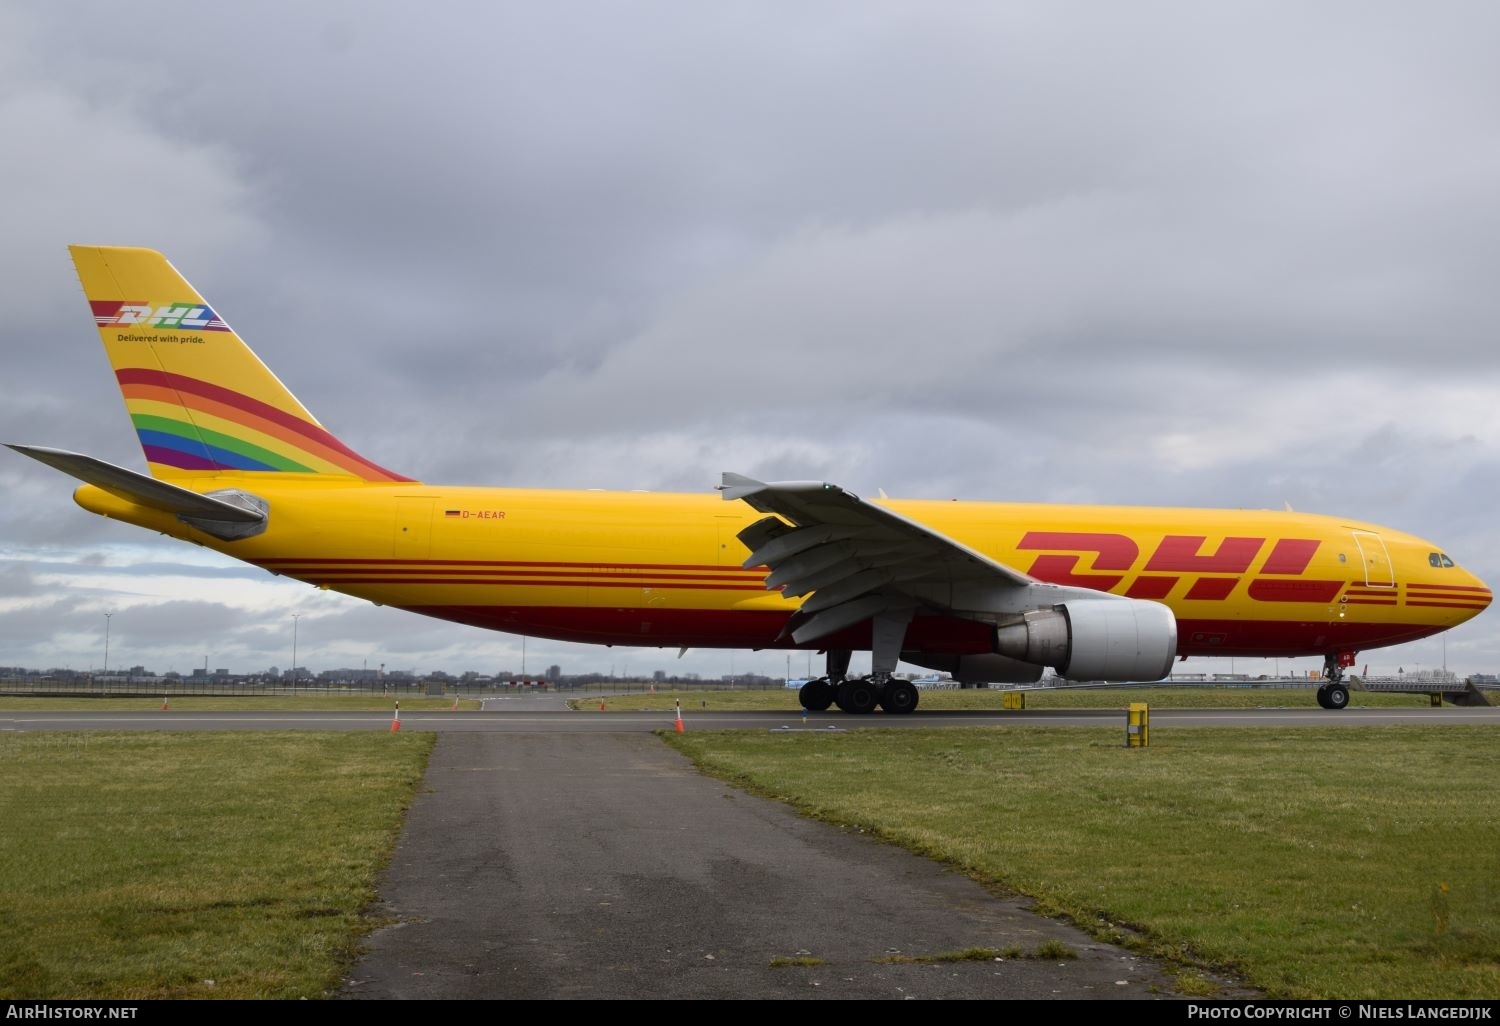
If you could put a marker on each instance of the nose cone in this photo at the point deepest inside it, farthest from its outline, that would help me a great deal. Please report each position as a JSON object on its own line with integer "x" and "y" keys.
{"x": 1482, "y": 596}
{"x": 1437, "y": 589}
{"x": 1458, "y": 596}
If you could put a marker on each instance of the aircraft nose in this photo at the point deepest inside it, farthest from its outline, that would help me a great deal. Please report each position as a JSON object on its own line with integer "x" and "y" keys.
{"x": 1482, "y": 591}
{"x": 1452, "y": 594}
{"x": 1471, "y": 598}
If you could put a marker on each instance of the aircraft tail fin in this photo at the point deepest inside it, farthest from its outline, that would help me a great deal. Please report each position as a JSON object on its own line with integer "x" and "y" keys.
{"x": 201, "y": 401}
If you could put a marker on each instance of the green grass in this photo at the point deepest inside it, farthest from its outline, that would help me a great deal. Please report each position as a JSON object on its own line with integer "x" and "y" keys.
{"x": 256, "y": 703}
{"x": 803, "y": 961}
{"x": 1312, "y": 863}
{"x": 785, "y": 699}
{"x": 1054, "y": 951}
{"x": 138, "y": 866}
{"x": 1191, "y": 984}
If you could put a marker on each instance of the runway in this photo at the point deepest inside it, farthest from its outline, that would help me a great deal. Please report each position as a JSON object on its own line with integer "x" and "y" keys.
{"x": 523, "y": 717}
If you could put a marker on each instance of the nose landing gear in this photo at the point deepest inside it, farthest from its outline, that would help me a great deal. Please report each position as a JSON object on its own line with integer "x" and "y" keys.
{"x": 1335, "y": 693}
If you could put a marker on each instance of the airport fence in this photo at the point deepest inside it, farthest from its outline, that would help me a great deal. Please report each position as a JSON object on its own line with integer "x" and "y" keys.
{"x": 122, "y": 687}
{"x": 139, "y": 688}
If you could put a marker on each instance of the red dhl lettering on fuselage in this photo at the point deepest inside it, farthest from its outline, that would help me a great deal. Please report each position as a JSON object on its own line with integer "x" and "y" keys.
{"x": 1177, "y": 558}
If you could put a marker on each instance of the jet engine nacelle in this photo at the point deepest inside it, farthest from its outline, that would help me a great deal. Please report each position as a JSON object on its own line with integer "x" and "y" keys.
{"x": 1095, "y": 639}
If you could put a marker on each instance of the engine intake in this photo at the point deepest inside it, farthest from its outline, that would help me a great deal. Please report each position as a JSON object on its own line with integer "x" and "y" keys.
{"x": 1095, "y": 639}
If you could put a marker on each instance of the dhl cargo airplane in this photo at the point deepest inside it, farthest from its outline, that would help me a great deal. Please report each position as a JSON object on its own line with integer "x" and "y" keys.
{"x": 989, "y": 592}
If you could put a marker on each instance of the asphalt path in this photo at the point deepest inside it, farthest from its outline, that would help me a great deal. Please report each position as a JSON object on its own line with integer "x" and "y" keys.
{"x": 549, "y": 716}
{"x": 562, "y": 866}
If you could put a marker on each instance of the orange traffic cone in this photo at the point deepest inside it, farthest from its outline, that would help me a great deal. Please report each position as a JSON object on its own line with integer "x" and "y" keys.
{"x": 163, "y": 703}
{"x": 396, "y": 720}
{"x": 679, "y": 716}
{"x": 601, "y": 705}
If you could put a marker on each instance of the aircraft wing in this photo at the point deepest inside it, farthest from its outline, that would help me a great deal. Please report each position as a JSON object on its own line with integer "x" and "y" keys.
{"x": 856, "y": 560}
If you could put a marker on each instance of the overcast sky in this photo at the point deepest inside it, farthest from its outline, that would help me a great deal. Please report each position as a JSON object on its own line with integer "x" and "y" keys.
{"x": 1163, "y": 253}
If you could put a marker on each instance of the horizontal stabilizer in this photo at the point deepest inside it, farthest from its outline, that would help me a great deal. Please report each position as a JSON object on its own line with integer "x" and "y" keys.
{"x": 140, "y": 489}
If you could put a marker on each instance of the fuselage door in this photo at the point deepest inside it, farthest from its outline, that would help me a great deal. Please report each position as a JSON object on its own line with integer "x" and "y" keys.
{"x": 1379, "y": 573}
{"x": 730, "y": 551}
{"x": 413, "y": 528}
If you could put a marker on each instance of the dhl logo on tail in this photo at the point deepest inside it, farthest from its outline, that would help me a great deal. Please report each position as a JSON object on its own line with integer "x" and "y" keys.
{"x": 200, "y": 399}
{"x": 194, "y": 317}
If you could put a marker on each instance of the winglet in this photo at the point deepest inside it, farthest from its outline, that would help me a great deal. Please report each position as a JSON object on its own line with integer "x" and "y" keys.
{"x": 738, "y": 486}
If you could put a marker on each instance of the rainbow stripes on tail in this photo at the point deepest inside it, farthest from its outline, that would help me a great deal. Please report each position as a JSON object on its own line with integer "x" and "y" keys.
{"x": 200, "y": 399}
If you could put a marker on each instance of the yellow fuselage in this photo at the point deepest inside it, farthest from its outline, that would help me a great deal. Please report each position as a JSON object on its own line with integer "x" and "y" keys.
{"x": 658, "y": 569}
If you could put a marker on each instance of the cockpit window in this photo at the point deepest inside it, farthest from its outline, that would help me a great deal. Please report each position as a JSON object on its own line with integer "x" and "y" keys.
{"x": 1446, "y": 560}
{"x": 1438, "y": 559}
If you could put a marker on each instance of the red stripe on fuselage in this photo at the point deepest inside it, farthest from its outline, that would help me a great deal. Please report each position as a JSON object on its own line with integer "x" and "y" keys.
{"x": 528, "y": 582}
{"x": 1212, "y": 589}
{"x": 336, "y": 574}
{"x": 282, "y": 563}
{"x": 1263, "y": 590}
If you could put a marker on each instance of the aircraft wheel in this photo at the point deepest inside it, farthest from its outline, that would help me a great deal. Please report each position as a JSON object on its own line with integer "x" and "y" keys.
{"x": 1338, "y": 696}
{"x": 899, "y": 697}
{"x": 857, "y": 696}
{"x": 816, "y": 695}
{"x": 1323, "y": 697}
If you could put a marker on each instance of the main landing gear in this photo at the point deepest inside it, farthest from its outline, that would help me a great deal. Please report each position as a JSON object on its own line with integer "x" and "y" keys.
{"x": 1334, "y": 694}
{"x": 857, "y": 694}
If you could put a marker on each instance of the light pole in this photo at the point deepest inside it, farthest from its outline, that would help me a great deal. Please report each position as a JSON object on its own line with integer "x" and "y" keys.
{"x": 106, "y": 641}
{"x": 295, "y": 618}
